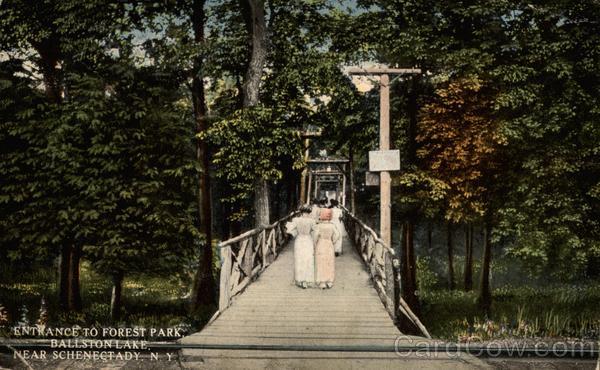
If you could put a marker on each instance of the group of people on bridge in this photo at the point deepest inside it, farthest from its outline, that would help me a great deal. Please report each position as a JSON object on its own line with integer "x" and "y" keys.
{"x": 318, "y": 233}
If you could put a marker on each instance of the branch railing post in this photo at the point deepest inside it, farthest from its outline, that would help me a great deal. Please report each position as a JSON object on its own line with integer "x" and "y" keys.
{"x": 391, "y": 293}
{"x": 246, "y": 256}
{"x": 383, "y": 266}
{"x": 224, "y": 278}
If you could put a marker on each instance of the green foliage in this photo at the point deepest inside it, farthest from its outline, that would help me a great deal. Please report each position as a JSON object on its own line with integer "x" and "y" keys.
{"x": 148, "y": 300}
{"x": 519, "y": 312}
{"x": 110, "y": 164}
{"x": 22, "y": 189}
{"x": 252, "y": 144}
{"x": 427, "y": 279}
{"x": 542, "y": 60}
{"x": 113, "y": 172}
{"x": 302, "y": 87}
{"x": 549, "y": 114}
{"x": 97, "y": 137}
{"x": 140, "y": 184}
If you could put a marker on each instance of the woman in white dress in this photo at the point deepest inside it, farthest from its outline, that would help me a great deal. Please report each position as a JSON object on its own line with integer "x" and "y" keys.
{"x": 304, "y": 230}
{"x": 336, "y": 219}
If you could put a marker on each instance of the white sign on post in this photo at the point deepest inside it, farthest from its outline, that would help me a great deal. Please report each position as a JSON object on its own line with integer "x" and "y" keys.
{"x": 384, "y": 160}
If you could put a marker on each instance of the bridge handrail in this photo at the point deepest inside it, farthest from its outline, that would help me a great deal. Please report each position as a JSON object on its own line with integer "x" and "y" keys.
{"x": 383, "y": 266}
{"x": 255, "y": 231}
{"x": 376, "y": 237}
{"x": 246, "y": 256}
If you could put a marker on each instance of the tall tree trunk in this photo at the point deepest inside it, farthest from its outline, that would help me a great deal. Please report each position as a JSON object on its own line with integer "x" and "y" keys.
{"x": 450, "y": 245}
{"x": 468, "y": 257}
{"x": 485, "y": 293}
{"x": 74, "y": 298}
{"x": 292, "y": 198}
{"x": 352, "y": 191}
{"x": 430, "y": 236}
{"x": 49, "y": 51}
{"x": 261, "y": 202}
{"x": 64, "y": 271}
{"x": 254, "y": 16}
{"x": 226, "y": 212}
{"x": 276, "y": 199}
{"x": 253, "y": 12}
{"x": 409, "y": 267}
{"x": 408, "y": 276}
{"x": 115, "y": 298}
{"x": 50, "y": 57}
{"x": 203, "y": 291}
{"x": 411, "y": 130}
{"x": 304, "y": 197}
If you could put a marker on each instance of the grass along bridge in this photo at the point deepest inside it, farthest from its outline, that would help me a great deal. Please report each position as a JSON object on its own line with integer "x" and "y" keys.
{"x": 265, "y": 321}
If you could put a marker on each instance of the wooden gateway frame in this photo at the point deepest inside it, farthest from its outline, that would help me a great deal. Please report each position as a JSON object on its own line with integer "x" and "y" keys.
{"x": 326, "y": 171}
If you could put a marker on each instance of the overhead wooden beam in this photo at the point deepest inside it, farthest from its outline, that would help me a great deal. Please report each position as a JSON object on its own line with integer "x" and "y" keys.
{"x": 380, "y": 70}
{"x": 327, "y": 161}
{"x": 323, "y": 172}
{"x": 309, "y": 134}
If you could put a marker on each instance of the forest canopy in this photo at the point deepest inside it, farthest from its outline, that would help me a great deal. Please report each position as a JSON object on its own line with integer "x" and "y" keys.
{"x": 134, "y": 134}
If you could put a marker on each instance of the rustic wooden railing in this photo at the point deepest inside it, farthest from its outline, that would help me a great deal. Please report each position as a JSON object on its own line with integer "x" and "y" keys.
{"x": 383, "y": 266}
{"x": 245, "y": 256}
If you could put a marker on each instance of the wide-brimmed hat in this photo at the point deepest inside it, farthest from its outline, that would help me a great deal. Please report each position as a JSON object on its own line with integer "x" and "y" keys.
{"x": 325, "y": 214}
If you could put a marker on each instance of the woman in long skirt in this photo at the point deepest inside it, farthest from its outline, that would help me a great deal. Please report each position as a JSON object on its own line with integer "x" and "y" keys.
{"x": 336, "y": 219}
{"x": 324, "y": 250}
{"x": 304, "y": 230}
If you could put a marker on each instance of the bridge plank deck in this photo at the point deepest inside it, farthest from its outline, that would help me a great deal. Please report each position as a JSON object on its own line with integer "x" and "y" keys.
{"x": 274, "y": 312}
{"x": 273, "y": 306}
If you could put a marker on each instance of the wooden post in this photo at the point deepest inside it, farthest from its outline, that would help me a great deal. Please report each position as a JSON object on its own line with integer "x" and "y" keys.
{"x": 308, "y": 197}
{"x": 384, "y": 140}
{"x": 224, "y": 280}
{"x": 390, "y": 286}
{"x": 304, "y": 197}
{"x": 264, "y": 250}
{"x": 385, "y": 225}
{"x": 247, "y": 263}
{"x": 352, "y": 194}
{"x": 344, "y": 190}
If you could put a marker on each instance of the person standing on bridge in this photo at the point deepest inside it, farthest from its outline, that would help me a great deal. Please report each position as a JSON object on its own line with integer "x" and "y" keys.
{"x": 315, "y": 210}
{"x": 304, "y": 231}
{"x": 336, "y": 219}
{"x": 327, "y": 236}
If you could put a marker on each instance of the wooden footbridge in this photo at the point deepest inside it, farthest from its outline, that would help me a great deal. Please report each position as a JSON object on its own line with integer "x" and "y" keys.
{"x": 266, "y": 321}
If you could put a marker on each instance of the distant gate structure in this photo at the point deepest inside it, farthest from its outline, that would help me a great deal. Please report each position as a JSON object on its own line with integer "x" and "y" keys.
{"x": 327, "y": 179}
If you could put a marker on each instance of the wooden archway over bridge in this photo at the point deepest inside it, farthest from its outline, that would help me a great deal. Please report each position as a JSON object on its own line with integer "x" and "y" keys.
{"x": 331, "y": 171}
